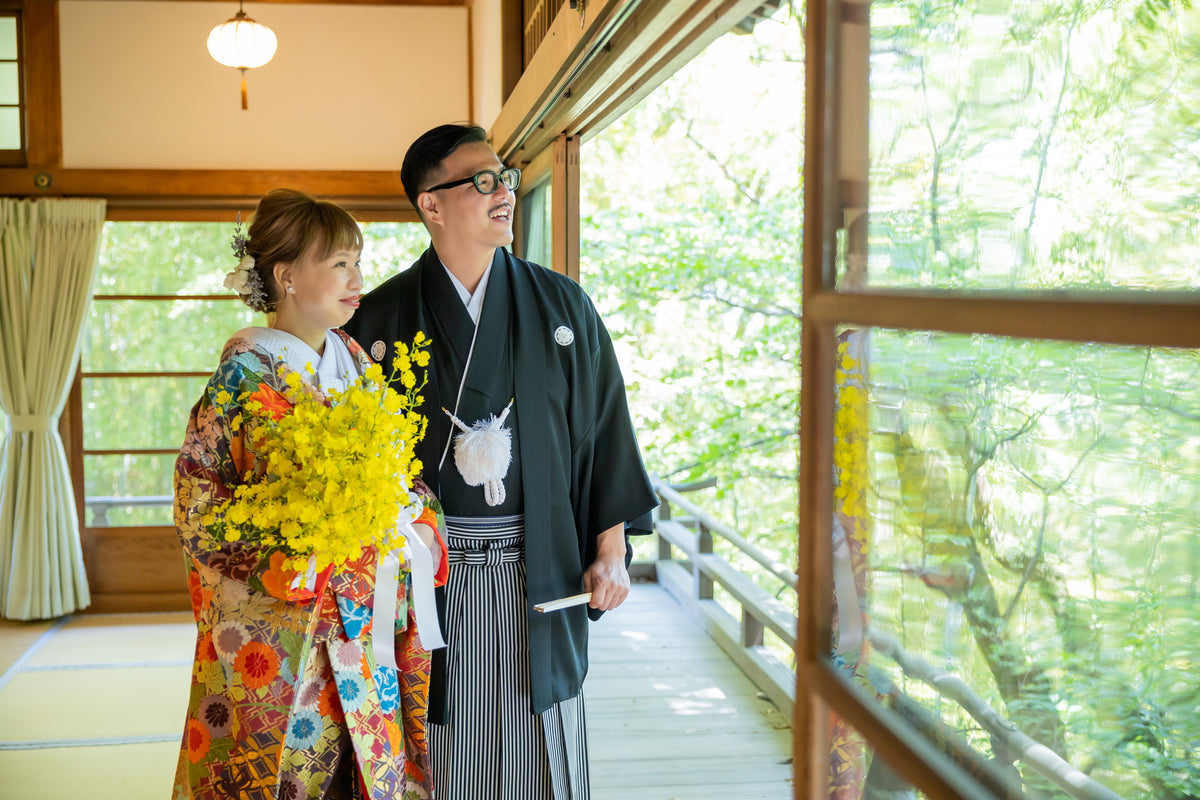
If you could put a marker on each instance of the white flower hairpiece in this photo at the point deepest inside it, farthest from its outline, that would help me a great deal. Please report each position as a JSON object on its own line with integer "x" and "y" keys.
{"x": 245, "y": 279}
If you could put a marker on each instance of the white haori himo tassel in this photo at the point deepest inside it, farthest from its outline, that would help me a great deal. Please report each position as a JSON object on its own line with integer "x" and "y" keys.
{"x": 483, "y": 453}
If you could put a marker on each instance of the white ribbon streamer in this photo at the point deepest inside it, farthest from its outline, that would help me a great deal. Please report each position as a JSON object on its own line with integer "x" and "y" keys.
{"x": 308, "y": 578}
{"x": 429, "y": 630}
{"x": 383, "y": 611}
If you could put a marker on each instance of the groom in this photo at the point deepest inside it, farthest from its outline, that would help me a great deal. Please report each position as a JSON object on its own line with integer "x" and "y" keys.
{"x": 505, "y": 702}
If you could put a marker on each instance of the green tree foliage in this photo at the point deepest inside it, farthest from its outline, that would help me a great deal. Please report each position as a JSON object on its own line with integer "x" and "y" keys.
{"x": 1034, "y": 504}
{"x": 691, "y": 249}
{"x": 1045, "y": 495}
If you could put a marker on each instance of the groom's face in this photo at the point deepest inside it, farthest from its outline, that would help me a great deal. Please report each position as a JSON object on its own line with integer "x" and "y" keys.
{"x": 465, "y": 213}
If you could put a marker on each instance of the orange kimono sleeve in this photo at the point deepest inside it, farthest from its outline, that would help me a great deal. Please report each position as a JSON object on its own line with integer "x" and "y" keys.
{"x": 434, "y": 519}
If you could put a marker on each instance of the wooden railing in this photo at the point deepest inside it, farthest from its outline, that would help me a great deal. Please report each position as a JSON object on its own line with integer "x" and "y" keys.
{"x": 683, "y": 527}
{"x": 100, "y": 505}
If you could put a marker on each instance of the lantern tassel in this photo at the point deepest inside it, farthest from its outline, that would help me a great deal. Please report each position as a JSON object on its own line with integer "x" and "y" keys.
{"x": 245, "y": 100}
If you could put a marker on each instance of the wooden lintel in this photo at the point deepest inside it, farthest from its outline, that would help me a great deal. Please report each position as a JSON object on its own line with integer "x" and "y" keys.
{"x": 198, "y": 183}
{"x": 347, "y": 2}
{"x": 134, "y": 193}
{"x": 1132, "y": 317}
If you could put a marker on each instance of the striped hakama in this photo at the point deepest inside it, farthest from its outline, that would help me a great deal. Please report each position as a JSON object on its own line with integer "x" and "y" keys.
{"x": 493, "y": 747}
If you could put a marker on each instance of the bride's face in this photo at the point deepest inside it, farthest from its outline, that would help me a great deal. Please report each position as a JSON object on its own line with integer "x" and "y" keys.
{"x": 324, "y": 292}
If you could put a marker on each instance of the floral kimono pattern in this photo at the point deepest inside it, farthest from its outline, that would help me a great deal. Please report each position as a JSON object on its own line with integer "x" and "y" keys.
{"x": 285, "y": 684}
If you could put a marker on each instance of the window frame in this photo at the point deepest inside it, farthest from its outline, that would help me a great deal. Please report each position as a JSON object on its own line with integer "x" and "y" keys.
{"x": 837, "y": 50}
{"x": 535, "y": 177}
{"x": 17, "y": 157}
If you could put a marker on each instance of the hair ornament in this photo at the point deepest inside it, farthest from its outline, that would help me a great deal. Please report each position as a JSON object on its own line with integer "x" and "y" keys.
{"x": 240, "y": 241}
{"x": 245, "y": 279}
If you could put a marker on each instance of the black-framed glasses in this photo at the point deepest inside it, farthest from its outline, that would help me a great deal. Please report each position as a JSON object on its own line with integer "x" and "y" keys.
{"x": 486, "y": 182}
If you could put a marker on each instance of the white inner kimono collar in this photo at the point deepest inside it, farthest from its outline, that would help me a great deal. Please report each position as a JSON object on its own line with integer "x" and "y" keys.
{"x": 335, "y": 369}
{"x": 473, "y": 302}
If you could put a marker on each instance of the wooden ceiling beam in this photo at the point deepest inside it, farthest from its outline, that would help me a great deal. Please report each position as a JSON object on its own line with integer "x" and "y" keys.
{"x": 186, "y": 193}
{"x": 212, "y": 183}
{"x": 339, "y": 2}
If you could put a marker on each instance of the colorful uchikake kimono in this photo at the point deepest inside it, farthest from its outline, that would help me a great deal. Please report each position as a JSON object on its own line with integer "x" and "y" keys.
{"x": 286, "y": 690}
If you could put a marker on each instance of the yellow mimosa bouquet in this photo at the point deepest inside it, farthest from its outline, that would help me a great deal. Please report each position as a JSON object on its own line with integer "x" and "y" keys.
{"x": 332, "y": 477}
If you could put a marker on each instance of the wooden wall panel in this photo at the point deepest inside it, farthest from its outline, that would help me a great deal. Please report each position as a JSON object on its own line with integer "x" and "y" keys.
{"x": 134, "y": 569}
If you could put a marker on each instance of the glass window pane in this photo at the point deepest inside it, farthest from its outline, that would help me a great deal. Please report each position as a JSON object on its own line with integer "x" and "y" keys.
{"x": 10, "y": 84}
{"x": 10, "y": 129}
{"x": 137, "y": 413}
{"x": 154, "y": 336}
{"x": 535, "y": 219}
{"x": 1028, "y": 145}
{"x": 1021, "y": 516}
{"x": 128, "y": 490}
{"x": 689, "y": 246}
{"x": 388, "y": 248}
{"x": 8, "y": 38}
{"x": 165, "y": 258}
{"x": 193, "y": 257}
{"x": 858, "y": 772}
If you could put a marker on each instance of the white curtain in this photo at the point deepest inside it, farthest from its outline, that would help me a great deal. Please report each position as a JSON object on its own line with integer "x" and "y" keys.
{"x": 48, "y": 250}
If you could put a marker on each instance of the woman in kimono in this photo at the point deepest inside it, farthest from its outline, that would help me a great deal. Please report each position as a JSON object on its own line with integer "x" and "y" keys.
{"x": 304, "y": 686}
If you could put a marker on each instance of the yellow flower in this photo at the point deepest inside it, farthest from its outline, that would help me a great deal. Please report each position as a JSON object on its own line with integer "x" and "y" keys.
{"x": 331, "y": 476}
{"x": 850, "y": 431}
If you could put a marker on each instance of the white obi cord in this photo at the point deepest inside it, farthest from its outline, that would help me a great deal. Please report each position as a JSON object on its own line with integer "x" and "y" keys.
{"x": 387, "y": 583}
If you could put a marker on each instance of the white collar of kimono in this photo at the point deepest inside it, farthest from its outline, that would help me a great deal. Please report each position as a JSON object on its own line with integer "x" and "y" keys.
{"x": 473, "y": 302}
{"x": 335, "y": 369}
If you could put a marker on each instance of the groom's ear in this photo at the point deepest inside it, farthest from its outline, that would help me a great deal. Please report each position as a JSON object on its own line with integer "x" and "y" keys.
{"x": 431, "y": 209}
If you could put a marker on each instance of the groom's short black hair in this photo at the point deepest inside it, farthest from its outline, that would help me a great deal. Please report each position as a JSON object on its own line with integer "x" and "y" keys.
{"x": 431, "y": 148}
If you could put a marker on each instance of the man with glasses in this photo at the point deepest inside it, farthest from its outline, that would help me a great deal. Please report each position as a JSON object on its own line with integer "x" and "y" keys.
{"x": 532, "y": 453}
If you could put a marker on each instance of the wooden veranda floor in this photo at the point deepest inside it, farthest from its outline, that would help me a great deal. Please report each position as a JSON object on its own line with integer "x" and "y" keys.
{"x": 670, "y": 717}
{"x": 92, "y": 707}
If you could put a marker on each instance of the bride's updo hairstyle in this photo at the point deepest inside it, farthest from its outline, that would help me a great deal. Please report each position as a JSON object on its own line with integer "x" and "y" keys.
{"x": 286, "y": 225}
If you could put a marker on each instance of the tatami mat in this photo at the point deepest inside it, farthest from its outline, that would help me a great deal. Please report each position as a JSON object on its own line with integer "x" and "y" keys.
{"x": 115, "y": 772}
{"x": 16, "y": 638}
{"x": 143, "y": 639}
{"x": 93, "y": 706}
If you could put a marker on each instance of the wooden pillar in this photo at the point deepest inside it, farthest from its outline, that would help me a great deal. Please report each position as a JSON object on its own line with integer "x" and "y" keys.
{"x": 43, "y": 85}
{"x": 752, "y": 629}
{"x": 564, "y": 213}
{"x": 664, "y": 513}
{"x": 512, "y": 56}
{"x": 810, "y": 721}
